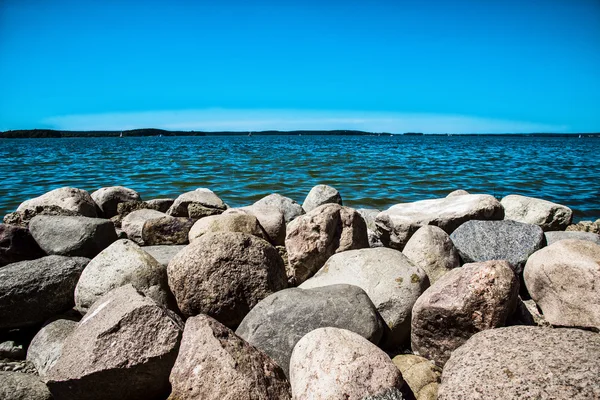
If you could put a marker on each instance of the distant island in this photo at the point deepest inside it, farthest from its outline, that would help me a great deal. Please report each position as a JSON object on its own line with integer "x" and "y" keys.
{"x": 51, "y": 133}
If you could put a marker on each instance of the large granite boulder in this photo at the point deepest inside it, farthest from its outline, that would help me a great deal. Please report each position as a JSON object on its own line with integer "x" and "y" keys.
{"x": 163, "y": 253}
{"x": 288, "y": 207}
{"x": 555, "y": 236}
{"x": 397, "y": 224}
{"x": 498, "y": 240}
{"x": 124, "y": 348}
{"x": 278, "y": 322}
{"x": 271, "y": 221}
{"x": 319, "y": 195}
{"x": 72, "y": 236}
{"x": 461, "y": 303}
{"x": 68, "y": 198}
{"x": 432, "y": 249}
{"x": 549, "y": 216}
{"x": 337, "y": 364}
{"x": 390, "y": 279}
{"x": 20, "y": 386}
{"x": 47, "y": 344}
{"x": 214, "y": 364}
{"x": 33, "y": 291}
{"x": 564, "y": 281}
{"x": 166, "y": 230}
{"x": 122, "y": 263}
{"x": 312, "y": 238}
{"x": 17, "y": 244}
{"x": 205, "y": 198}
{"x": 420, "y": 374}
{"x": 224, "y": 275}
{"x": 107, "y": 199}
{"x": 523, "y": 362}
{"x": 227, "y": 222}
{"x": 133, "y": 223}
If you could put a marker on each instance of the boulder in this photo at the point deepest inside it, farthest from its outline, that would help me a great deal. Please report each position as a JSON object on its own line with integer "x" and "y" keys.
{"x": 523, "y": 362}
{"x": 204, "y": 197}
{"x": 166, "y": 230}
{"x": 498, "y": 240}
{"x": 420, "y": 374}
{"x": 122, "y": 263}
{"x": 332, "y": 364}
{"x": 161, "y": 205}
{"x": 458, "y": 192}
{"x": 20, "y": 386}
{"x": 432, "y": 249}
{"x": 271, "y": 220}
{"x": 564, "y": 281}
{"x": 17, "y": 244}
{"x": 124, "y": 348}
{"x": 133, "y": 223}
{"x": 46, "y": 346}
{"x": 107, "y": 199}
{"x": 33, "y": 291}
{"x": 397, "y": 224}
{"x": 390, "y": 279}
{"x": 197, "y": 211}
{"x": 22, "y": 218}
{"x": 549, "y": 216}
{"x": 224, "y": 275}
{"x": 213, "y": 363}
{"x": 461, "y": 303}
{"x": 68, "y": 198}
{"x": 163, "y": 253}
{"x": 319, "y": 195}
{"x": 227, "y": 222}
{"x": 369, "y": 215}
{"x": 288, "y": 207}
{"x": 312, "y": 238}
{"x": 555, "y": 236}
{"x": 72, "y": 236}
{"x": 278, "y": 322}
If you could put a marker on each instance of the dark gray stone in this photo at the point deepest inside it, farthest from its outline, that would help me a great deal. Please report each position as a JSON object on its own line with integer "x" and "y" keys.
{"x": 161, "y": 205}
{"x": 391, "y": 394}
{"x": 17, "y": 244}
{"x": 20, "y": 386}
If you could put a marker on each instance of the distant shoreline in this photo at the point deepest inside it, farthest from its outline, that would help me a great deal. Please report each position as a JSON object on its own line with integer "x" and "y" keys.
{"x": 51, "y": 133}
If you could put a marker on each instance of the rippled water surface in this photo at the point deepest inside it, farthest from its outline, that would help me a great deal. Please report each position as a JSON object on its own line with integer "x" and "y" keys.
{"x": 373, "y": 172}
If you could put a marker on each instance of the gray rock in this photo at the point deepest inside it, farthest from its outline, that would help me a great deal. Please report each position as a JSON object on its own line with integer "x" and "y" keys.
{"x": 390, "y": 394}
{"x": 230, "y": 367}
{"x": 288, "y": 207}
{"x": 107, "y": 199}
{"x": 33, "y": 291}
{"x": 70, "y": 199}
{"x": 46, "y": 346}
{"x": 421, "y": 375}
{"x": 120, "y": 264}
{"x": 523, "y": 362}
{"x": 124, "y": 348}
{"x": 464, "y": 301}
{"x": 161, "y": 205}
{"x": 271, "y": 221}
{"x": 22, "y": 218}
{"x": 564, "y": 280}
{"x": 396, "y": 225}
{"x": 20, "y": 386}
{"x": 498, "y": 240}
{"x": 555, "y": 236}
{"x": 549, "y": 216}
{"x": 278, "y": 322}
{"x": 163, "y": 253}
{"x": 369, "y": 215}
{"x": 166, "y": 230}
{"x": 227, "y": 222}
{"x": 204, "y": 197}
{"x": 72, "y": 236}
{"x": 224, "y": 275}
{"x": 198, "y": 211}
{"x": 133, "y": 223}
{"x": 432, "y": 249}
{"x": 11, "y": 349}
{"x": 458, "y": 192}
{"x": 312, "y": 238}
{"x": 319, "y": 195}
{"x": 17, "y": 244}
{"x": 390, "y": 279}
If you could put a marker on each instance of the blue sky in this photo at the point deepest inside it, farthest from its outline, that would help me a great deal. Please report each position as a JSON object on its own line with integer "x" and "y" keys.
{"x": 395, "y": 66}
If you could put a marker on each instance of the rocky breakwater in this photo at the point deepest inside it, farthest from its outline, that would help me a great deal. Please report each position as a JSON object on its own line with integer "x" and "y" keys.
{"x": 111, "y": 296}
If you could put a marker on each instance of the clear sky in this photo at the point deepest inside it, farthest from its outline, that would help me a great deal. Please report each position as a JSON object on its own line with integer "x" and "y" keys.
{"x": 394, "y": 66}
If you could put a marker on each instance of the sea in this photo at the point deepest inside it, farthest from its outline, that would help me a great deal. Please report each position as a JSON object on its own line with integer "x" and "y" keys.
{"x": 369, "y": 171}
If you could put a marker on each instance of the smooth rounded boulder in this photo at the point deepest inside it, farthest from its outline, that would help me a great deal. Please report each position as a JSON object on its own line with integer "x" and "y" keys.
{"x": 108, "y": 198}
{"x": 33, "y": 291}
{"x": 20, "y": 386}
{"x": 271, "y": 221}
{"x": 133, "y": 223}
{"x": 122, "y": 263}
{"x": 72, "y": 236}
{"x": 227, "y": 222}
{"x": 288, "y": 207}
{"x": 46, "y": 346}
{"x": 203, "y": 197}
{"x": 530, "y": 210}
{"x": 390, "y": 279}
{"x": 68, "y": 198}
{"x": 312, "y": 238}
{"x": 319, "y": 195}
{"x": 464, "y": 301}
{"x": 337, "y": 364}
{"x": 124, "y": 348}
{"x": 278, "y": 322}
{"x": 564, "y": 281}
{"x": 214, "y": 364}
{"x": 17, "y": 244}
{"x": 421, "y": 375}
{"x": 224, "y": 275}
{"x": 523, "y": 362}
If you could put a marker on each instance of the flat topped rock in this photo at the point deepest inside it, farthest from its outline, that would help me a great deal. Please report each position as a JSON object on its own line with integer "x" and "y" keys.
{"x": 68, "y": 198}
{"x": 397, "y": 224}
{"x": 549, "y": 216}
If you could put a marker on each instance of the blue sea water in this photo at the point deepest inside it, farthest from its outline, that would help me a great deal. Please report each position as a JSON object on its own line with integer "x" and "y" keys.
{"x": 369, "y": 171}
